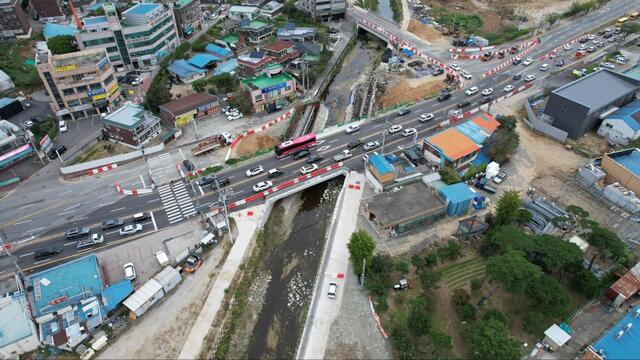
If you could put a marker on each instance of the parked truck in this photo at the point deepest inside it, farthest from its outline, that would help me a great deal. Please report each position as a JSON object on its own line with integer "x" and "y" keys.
{"x": 211, "y": 143}
{"x": 345, "y": 154}
{"x": 483, "y": 184}
{"x": 93, "y": 240}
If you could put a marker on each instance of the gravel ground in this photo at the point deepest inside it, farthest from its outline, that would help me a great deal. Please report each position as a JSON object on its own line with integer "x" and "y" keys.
{"x": 354, "y": 334}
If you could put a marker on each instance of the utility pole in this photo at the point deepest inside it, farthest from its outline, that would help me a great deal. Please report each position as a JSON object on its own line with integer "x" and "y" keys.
{"x": 195, "y": 127}
{"x": 7, "y": 247}
{"x": 364, "y": 265}
{"x": 384, "y": 134}
{"x": 223, "y": 199}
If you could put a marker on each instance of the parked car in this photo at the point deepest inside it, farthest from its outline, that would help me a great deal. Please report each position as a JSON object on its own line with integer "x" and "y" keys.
{"x": 300, "y": 154}
{"x": 230, "y": 111}
{"x": 485, "y": 100}
{"x": 275, "y": 172}
{"x": 333, "y": 290}
{"x": 607, "y": 65}
{"x": 307, "y": 169}
{"x": 366, "y": 156}
{"x": 192, "y": 264}
{"x": 62, "y": 126}
{"x": 78, "y": 232}
{"x": 487, "y": 91}
{"x": 253, "y": 171}
{"x": 112, "y": 223}
{"x": 314, "y": 158}
{"x": 502, "y": 176}
{"x": 27, "y": 124}
{"x": 354, "y": 144}
{"x": 409, "y": 131}
{"x": 472, "y": 91}
{"x": 262, "y": 186}
{"x": 403, "y": 111}
{"x": 437, "y": 71}
{"x": 57, "y": 151}
{"x": 44, "y": 253}
{"x": 130, "y": 229}
{"x": 351, "y": 129}
{"x": 129, "y": 271}
{"x": 235, "y": 116}
{"x": 188, "y": 165}
{"x": 395, "y": 129}
{"x": 508, "y": 88}
{"x": 371, "y": 145}
{"x": 582, "y": 47}
{"x": 425, "y": 117}
{"x": 143, "y": 216}
{"x": 567, "y": 47}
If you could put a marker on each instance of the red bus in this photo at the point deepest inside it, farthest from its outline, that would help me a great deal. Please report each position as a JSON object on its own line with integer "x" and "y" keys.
{"x": 292, "y": 146}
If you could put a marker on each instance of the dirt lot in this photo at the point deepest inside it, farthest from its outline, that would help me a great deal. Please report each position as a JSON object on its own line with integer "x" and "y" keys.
{"x": 427, "y": 32}
{"x": 100, "y": 150}
{"x": 254, "y": 143}
{"x": 418, "y": 88}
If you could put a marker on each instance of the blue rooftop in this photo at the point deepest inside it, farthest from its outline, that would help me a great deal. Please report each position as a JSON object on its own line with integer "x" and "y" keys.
{"x": 142, "y": 8}
{"x": 382, "y": 165}
{"x": 51, "y": 30}
{"x": 457, "y": 192}
{"x": 226, "y": 67}
{"x": 6, "y": 101}
{"x": 630, "y": 114}
{"x": 202, "y": 60}
{"x": 94, "y": 20}
{"x": 630, "y": 159}
{"x": 15, "y": 324}
{"x": 65, "y": 284}
{"x": 116, "y": 293}
{"x": 473, "y": 132}
{"x": 613, "y": 346}
{"x": 218, "y": 51}
{"x": 183, "y": 69}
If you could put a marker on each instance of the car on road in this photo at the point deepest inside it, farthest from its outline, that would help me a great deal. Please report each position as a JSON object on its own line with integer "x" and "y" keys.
{"x": 351, "y": 129}
{"x": 516, "y": 77}
{"x": 544, "y": 67}
{"x": 527, "y": 61}
{"x": 454, "y": 67}
{"x": 437, "y": 71}
{"x": 130, "y": 229}
{"x": 206, "y": 180}
{"x": 62, "y": 126}
{"x": 607, "y": 65}
{"x": 273, "y": 173}
{"x": 409, "y": 131}
{"x": 143, "y": 216}
{"x": 487, "y": 91}
{"x": 262, "y": 186}
{"x": 559, "y": 62}
{"x": 333, "y": 290}
{"x": 444, "y": 97}
{"x": 529, "y": 78}
{"x": 254, "y": 171}
{"x": 567, "y": 47}
{"x": 583, "y": 40}
{"x": 485, "y": 100}
{"x": 607, "y": 35}
{"x": 598, "y": 43}
{"x": 314, "y": 158}
{"x": 612, "y": 39}
{"x": 508, "y": 88}
{"x": 129, "y": 271}
{"x": 44, "y": 253}
{"x": 472, "y": 91}
{"x": 112, "y": 223}
{"x": 463, "y": 104}
{"x": 395, "y": 129}
{"x": 591, "y": 37}
{"x": 582, "y": 47}
{"x": 192, "y": 264}
{"x": 465, "y": 74}
{"x": 95, "y": 239}
{"x": 300, "y": 154}
{"x": 78, "y": 232}
{"x": 354, "y": 144}
{"x": 371, "y": 145}
{"x": 137, "y": 81}
{"x": 27, "y": 124}
{"x": 403, "y": 111}
{"x": 222, "y": 182}
{"x": 502, "y": 176}
{"x": 308, "y": 169}
{"x": 425, "y": 117}
{"x": 188, "y": 165}
{"x": 516, "y": 61}
{"x": 57, "y": 151}
{"x": 235, "y": 116}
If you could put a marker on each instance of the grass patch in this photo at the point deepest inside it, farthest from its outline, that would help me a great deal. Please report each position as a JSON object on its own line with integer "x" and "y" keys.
{"x": 396, "y": 7}
{"x": 207, "y": 171}
{"x": 247, "y": 157}
{"x": 468, "y": 23}
{"x": 12, "y": 60}
{"x": 99, "y": 151}
{"x": 459, "y": 274}
{"x": 509, "y": 33}
{"x": 368, "y": 4}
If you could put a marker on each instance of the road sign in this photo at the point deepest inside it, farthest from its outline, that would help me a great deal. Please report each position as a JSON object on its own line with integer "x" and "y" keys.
{"x": 46, "y": 144}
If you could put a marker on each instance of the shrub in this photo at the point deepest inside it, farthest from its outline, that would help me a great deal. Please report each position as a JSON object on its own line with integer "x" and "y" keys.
{"x": 429, "y": 278}
{"x": 381, "y": 304}
{"x": 466, "y": 312}
{"x": 586, "y": 283}
{"x": 402, "y": 267}
{"x": 418, "y": 261}
{"x": 460, "y": 297}
{"x": 440, "y": 340}
{"x": 496, "y": 315}
{"x": 476, "y": 283}
{"x": 534, "y": 323}
{"x": 418, "y": 320}
{"x": 431, "y": 259}
{"x": 451, "y": 251}
{"x": 449, "y": 175}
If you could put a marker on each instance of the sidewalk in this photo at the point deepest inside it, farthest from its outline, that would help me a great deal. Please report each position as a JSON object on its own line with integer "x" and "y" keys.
{"x": 247, "y": 227}
{"x": 324, "y": 310}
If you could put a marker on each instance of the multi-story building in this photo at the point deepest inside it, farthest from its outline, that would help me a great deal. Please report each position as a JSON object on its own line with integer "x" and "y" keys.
{"x": 270, "y": 93}
{"x": 132, "y": 125}
{"x": 80, "y": 84}
{"x": 282, "y": 52}
{"x": 142, "y": 36}
{"x": 13, "y": 21}
{"x": 324, "y": 10}
{"x": 47, "y": 10}
{"x": 253, "y": 64}
{"x": 256, "y": 31}
{"x": 187, "y": 15}
{"x": 296, "y": 34}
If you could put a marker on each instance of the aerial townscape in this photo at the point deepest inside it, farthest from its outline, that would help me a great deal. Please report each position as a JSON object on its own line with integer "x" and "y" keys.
{"x": 320, "y": 179}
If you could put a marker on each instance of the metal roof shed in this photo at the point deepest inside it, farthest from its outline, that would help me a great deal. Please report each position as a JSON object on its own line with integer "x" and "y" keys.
{"x": 169, "y": 277}
{"x": 141, "y": 300}
{"x": 555, "y": 336}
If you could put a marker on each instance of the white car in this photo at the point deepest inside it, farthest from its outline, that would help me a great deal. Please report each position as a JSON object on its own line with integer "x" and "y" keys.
{"x": 426, "y": 117}
{"x": 527, "y": 61}
{"x": 262, "y": 186}
{"x": 62, "y": 126}
{"x": 409, "y": 131}
{"x": 234, "y": 116}
{"x": 254, "y": 171}
{"x": 137, "y": 81}
{"x": 487, "y": 91}
{"x": 607, "y": 65}
{"x": 334, "y": 36}
{"x": 465, "y": 74}
{"x": 582, "y": 47}
{"x": 27, "y": 123}
{"x": 621, "y": 59}
{"x": 454, "y": 67}
{"x": 567, "y": 47}
{"x": 308, "y": 169}
{"x": 508, "y": 88}
{"x": 591, "y": 49}
{"x": 333, "y": 290}
{"x": 231, "y": 111}
{"x": 351, "y": 129}
{"x": 130, "y": 229}
{"x": 529, "y": 78}
{"x": 591, "y": 37}
{"x": 371, "y": 145}
{"x": 472, "y": 91}
{"x": 395, "y": 129}
{"x": 599, "y": 44}
{"x": 129, "y": 271}
{"x": 544, "y": 67}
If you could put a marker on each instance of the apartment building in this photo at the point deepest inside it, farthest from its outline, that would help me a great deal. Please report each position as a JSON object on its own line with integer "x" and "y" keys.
{"x": 80, "y": 84}
{"x": 187, "y": 15}
{"x": 13, "y": 21}
{"x": 141, "y": 36}
{"x": 324, "y": 10}
{"x": 256, "y": 31}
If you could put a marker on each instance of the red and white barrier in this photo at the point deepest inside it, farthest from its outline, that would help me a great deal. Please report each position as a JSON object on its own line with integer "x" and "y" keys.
{"x": 532, "y": 44}
{"x": 555, "y": 50}
{"x": 472, "y": 49}
{"x": 102, "y": 169}
{"x": 279, "y": 187}
{"x": 521, "y": 45}
{"x": 201, "y": 170}
{"x": 133, "y": 191}
{"x": 377, "y": 318}
{"x": 271, "y": 123}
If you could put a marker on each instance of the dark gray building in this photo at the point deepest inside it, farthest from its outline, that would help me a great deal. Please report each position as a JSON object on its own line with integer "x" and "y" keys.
{"x": 13, "y": 21}
{"x": 577, "y": 107}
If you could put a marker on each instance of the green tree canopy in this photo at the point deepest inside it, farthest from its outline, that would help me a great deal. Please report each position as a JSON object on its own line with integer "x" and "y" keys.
{"x": 509, "y": 236}
{"x": 418, "y": 320}
{"x": 242, "y": 101}
{"x": 507, "y": 208}
{"x": 607, "y": 244}
{"x": 449, "y": 175}
{"x": 550, "y": 296}
{"x": 512, "y": 270}
{"x": 586, "y": 283}
{"x": 361, "y": 247}
{"x": 62, "y": 44}
{"x": 505, "y": 140}
{"x": 490, "y": 340}
{"x": 554, "y": 253}
{"x": 157, "y": 95}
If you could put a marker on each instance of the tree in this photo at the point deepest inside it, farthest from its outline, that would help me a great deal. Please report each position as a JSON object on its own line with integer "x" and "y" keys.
{"x": 490, "y": 340}
{"x": 440, "y": 340}
{"x": 495, "y": 314}
{"x": 586, "y": 283}
{"x": 418, "y": 320}
{"x": 157, "y": 95}
{"x": 630, "y": 27}
{"x": 606, "y": 243}
{"x": 451, "y": 251}
{"x": 523, "y": 217}
{"x": 418, "y": 261}
{"x": 502, "y": 144}
{"x": 242, "y": 101}
{"x": 224, "y": 82}
{"x": 431, "y": 259}
{"x": 449, "y": 175}
{"x": 577, "y": 217}
{"x": 429, "y": 278}
{"x": 513, "y": 270}
{"x": 550, "y": 296}
{"x": 552, "y": 18}
{"x": 361, "y": 247}
{"x": 402, "y": 267}
{"x": 507, "y": 208}
{"x": 62, "y": 44}
{"x": 555, "y": 254}
{"x": 534, "y": 322}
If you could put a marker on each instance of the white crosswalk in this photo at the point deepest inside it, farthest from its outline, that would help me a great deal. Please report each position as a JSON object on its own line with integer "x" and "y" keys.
{"x": 176, "y": 201}
{"x": 162, "y": 169}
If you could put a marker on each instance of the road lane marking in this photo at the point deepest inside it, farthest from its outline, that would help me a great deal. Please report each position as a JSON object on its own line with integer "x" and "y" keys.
{"x": 25, "y": 240}
{"x": 72, "y": 207}
{"x": 81, "y": 218}
{"x": 378, "y": 125}
{"x": 200, "y": 188}
{"x": 142, "y": 180}
{"x": 153, "y": 200}
{"x": 70, "y": 243}
{"x": 26, "y": 206}
{"x": 118, "y": 209}
{"x": 65, "y": 192}
{"x": 332, "y": 141}
{"x": 36, "y": 229}
{"x": 66, "y": 212}
{"x": 23, "y": 222}
{"x": 27, "y": 254}
{"x": 112, "y": 232}
{"x": 153, "y": 219}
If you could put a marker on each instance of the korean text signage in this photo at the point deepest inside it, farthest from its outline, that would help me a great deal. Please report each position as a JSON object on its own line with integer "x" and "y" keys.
{"x": 65, "y": 68}
{"x": 274, "y": 88}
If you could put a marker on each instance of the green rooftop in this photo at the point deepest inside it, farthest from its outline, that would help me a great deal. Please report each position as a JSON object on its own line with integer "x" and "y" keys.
{"x": 231, "y": 39}
{"x": 263, "y": 81}
{"x": 311, "y": 57}
{"x": 182, "y": 3}
{"x": 257, "y": 24}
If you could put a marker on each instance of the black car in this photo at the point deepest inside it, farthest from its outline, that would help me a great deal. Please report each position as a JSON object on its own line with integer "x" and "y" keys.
{"x": 300, "y": 154}
{"x": 188, "y": 165}
{"x": 37, "y": 119}
{"x": 601, "y": 32}
{"x": 53, "y": 154}
{"x": 222, "y": 182}
{"x": 206, "y": 180}
{"x": 583, "y": 40}
{"x": 354, "y": 144}
{"x": 485, "y": 100}
{"x": 273, "y": 173}
{"x": 112, "y": 223}
{"x": 45, "y": 253}
{"x": 444, "y": 97}
{"x": 332, "y": 31}
{"x": 460, "y": 105}
{"x": 607, "y": 35}
{"x": 516, "y": 61}
{"x": 437, "y": 71}
{"x": 517, "y": 77}
{"x": 314, "y": 159}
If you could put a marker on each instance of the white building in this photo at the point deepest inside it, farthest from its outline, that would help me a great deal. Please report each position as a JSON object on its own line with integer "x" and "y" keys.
{"x": 622, "y": 125}
{"x": 18, "y": 334}
{"x": 324, "y": 10}
{"x": 143, "y": 35}
{"x": 244, "y": 12}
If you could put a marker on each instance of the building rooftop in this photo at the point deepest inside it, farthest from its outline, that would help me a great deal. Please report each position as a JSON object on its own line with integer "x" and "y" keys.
{"x": 473, "y": 132}
{"x": 629, "y": 159}
{"x": 218, "y": 50}
{"x": 272, "y": 6}
{"x": 14, "y": 322}
{"x": 255, "y": 25}
{"x": 201, "y": 60}
{"x": 226, "y": 67}
{"x": 264, "y": 82}
{"x": 51, "y": 29}
{"x": 63, "y": 285}
{"x": 95, "y": 20}
{"x": 128, "y": 115}
{"x": 279, "y": 46}
{"x": 452, "y": 144}
{"x": 614, "y": 346}
{"x": 381, "y": 164}
{"x": 292, "y": 30}
{"x": 116, "y": 293}
{"x": 458, "y": 192}
{"x": 630, "y": 114}
{"x": 487, "y": 122}
{"x": 411, "y": 201}
{"x": 230, "y": 39}
{"x": 627, "y": 285}
{"x": 80, "y": 58}
{"x": 188, "y": 103}
{"x": 598, "y": 89}
{"x": 557, "y": 335}
{"x": 142, "y": 9}
{"x": 181, "y": 3}
{"x": 46, "y": 8}
{"x": 182, "y": 68}
{"x": 242, "y": 8}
